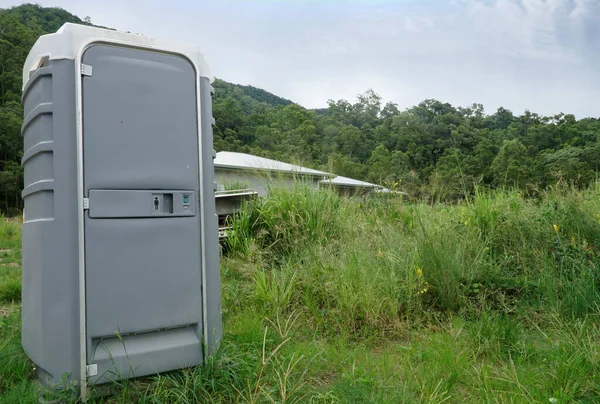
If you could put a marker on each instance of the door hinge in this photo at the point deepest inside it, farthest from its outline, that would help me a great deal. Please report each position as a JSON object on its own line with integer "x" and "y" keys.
{"x": 91, "y": 370}
{"x": 86, "y": 70}
{"x": 86, "y": 203}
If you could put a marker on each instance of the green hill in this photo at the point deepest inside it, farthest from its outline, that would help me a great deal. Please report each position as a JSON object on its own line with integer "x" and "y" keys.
{"x": 248, "y": 95}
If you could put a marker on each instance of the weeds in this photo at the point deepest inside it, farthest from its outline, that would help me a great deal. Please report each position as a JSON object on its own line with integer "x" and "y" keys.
{"x": 325, "y": 299}
{"x": 10, "y": 287}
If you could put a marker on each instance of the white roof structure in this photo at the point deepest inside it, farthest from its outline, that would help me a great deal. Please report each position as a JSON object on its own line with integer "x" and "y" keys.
{"x": 71, "y": 39}
{"x": 349, "y": 182}
{"x": 389, "y": 191}
{"x": 243, "y": 161}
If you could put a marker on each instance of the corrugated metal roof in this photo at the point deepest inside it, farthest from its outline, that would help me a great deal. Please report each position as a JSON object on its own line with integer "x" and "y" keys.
{"x": 349, "y": 182}
{"x": 389, "y": 191}
{"x": 243, "y": 161}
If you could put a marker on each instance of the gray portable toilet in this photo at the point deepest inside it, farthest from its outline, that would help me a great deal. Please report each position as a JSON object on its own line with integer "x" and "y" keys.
{"x": 120, "y": 234}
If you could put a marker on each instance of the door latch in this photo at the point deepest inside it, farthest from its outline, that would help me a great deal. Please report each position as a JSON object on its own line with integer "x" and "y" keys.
{"x": 91, "y": 370}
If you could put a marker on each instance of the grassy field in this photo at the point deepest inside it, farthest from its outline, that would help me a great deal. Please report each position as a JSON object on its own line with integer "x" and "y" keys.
{"x": 332, "y": 300}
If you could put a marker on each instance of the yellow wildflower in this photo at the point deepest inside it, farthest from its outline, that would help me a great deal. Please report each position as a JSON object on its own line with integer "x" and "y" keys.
{"x": 419, "y": 272}
{"x": 424, "y": 290}
{"x": 556, "y": 228}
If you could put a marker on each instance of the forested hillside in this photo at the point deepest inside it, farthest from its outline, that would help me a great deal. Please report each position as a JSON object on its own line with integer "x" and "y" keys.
{"x": 433, "y": 149}
{"x": 19, "y": 29}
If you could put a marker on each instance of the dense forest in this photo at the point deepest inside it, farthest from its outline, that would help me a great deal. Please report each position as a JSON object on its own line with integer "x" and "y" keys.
{"x": 433, "y": 149}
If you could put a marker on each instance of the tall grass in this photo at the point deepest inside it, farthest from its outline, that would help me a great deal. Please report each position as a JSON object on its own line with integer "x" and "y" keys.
{"x": 359, "y": 265}
{"x": 327, "y": 299}
{"x": 10, "y": 257}
{"x": 287, "y": 221}
{"x": 514, "y": 274}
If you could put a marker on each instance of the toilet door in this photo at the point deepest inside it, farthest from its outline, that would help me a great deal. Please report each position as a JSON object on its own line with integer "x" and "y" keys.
{"x": 142, "y": 227}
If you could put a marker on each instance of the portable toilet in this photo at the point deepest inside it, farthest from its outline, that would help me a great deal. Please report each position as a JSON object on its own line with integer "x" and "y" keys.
{"x": 120, "y": 234}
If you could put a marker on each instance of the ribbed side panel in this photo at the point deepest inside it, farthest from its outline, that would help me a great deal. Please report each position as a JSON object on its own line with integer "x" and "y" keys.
{"x": 39, "y": 206}
{"x": 50, "y": 299}
{"x": 39, "y": 92}
{"x": 38, "y": 158}
{"x": 37, "y": 131}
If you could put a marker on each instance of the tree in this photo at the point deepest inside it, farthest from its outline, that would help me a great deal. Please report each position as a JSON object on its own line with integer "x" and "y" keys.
{"x": 569, "y": 165}
{"x": 501, "y": 119}
{"x": 451, "y": 176}
{"x": 483, "y": 156}
{"x": 387, "y": 167}
{"x": 345, "y": 166}
{"x": 11, "y": 141}
{"x": 11, "y": 184}
{"x": 510, "y": 167}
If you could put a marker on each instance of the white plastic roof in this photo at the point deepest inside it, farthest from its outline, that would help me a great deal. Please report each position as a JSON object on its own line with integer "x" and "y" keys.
{"x": 349, "y": 182}
{"x": 67, "y": 42}
{"x": 243, "y": 161}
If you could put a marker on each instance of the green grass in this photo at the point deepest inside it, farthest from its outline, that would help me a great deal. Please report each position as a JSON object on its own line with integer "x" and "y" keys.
{"x": 374, "y": 300}
{"x": 10, "y": 261}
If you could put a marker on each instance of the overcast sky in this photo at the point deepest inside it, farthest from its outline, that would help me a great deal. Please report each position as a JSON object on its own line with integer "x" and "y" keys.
{"x": 541, "y": 55}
